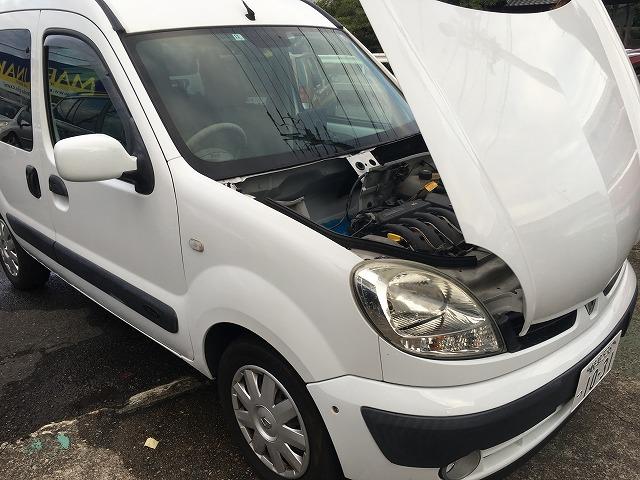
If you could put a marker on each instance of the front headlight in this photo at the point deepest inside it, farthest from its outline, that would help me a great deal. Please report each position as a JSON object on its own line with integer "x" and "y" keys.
{"x": 425, "y": 313}
{"x": 3, "y": 124}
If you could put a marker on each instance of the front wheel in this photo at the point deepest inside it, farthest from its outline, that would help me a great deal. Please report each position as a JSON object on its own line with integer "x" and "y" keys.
{"x": 272, "y": 416}
{"x": 21, "y": 269}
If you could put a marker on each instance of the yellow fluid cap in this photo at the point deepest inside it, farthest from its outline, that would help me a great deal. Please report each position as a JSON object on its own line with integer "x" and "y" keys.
{"x": 431, "y": 186}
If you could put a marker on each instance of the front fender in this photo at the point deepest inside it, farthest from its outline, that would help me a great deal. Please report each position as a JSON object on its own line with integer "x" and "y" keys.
{"x": 249, "y": 301}
{"x": 273, "y": 276}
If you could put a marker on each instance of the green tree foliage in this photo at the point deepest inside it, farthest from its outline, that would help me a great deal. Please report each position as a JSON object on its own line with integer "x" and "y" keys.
{"x": 351, "y": 14}
{"x": 478, "y": 4}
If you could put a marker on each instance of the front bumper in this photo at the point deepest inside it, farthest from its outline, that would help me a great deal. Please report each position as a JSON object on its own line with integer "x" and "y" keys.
{"x": 416, "y": 441}
{"x": 506, "y": 417}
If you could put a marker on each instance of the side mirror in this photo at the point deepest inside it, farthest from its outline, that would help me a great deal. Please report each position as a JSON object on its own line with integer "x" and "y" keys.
{"x": 25, "y": 119}
{"x": 91, "y": 158}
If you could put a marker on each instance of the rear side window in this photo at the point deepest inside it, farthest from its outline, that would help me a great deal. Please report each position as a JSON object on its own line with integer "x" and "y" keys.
{"x": 15, "y": 88}
{"x": 81, "y": 98}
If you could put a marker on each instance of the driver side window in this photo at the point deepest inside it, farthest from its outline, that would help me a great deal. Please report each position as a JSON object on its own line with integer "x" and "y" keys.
{"x": 81, "y": 97}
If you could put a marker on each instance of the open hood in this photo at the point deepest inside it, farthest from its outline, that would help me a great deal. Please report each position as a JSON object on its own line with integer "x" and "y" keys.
{"x": 527, "y": 117}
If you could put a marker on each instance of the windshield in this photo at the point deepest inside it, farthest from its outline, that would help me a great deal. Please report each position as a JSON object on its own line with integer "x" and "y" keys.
{"x": 245, "y": 100}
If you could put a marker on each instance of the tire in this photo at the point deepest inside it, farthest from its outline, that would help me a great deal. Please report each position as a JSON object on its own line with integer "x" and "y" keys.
{"x": 21, "y": 269}
{"x": 317, "y": 460}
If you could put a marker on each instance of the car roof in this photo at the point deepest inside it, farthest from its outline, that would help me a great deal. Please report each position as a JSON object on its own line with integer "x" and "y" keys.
{"x": 148, "y": 15}
{"x": 135, "y": 16}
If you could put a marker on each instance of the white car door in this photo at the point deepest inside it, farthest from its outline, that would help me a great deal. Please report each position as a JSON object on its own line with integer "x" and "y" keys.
{"x": 22, "y": 182}
{"x": 532, "y": 122}
{"x": 118, "y": 239}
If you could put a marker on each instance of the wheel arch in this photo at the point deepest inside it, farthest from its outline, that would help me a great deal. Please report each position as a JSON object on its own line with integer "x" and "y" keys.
{"x": 219, "y": 336}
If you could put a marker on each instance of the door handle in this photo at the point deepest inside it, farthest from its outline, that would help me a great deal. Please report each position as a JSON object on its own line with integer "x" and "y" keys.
{"x": 33, "y": 182}
{"x": 57, "y": 186}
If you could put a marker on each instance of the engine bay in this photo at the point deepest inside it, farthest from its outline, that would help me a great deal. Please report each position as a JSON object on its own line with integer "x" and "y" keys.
{"x": 401, "y": 203}
{"x": 413, "y": 213}
{"x": 389, "y": 203}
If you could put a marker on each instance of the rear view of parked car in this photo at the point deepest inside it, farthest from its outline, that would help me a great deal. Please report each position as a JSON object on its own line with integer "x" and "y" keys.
{"x": 421, "y": 276}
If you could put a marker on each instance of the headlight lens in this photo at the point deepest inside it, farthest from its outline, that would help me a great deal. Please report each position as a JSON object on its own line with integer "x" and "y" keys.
{"x": 3, "y": 124}
{"x": 424, "y": 312}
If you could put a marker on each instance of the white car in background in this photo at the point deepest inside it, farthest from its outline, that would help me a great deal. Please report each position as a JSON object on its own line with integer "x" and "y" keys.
{"x": 386, "y": 284}
{"x": 15, "y": 124}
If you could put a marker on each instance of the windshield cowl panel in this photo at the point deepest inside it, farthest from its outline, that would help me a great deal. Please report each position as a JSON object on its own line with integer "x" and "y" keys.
{"x": 245, "y": 100}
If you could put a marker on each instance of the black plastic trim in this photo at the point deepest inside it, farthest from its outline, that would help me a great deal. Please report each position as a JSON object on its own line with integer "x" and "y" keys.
{"x": 612, "y": 283}
{"x": 32, "y": 236}
{"x": 251, "y": 15}
{"x": 57, "y": 186}
{"x": 113, "y": 20}
{"x": 149, "y": 307}
{"x": 352, "y": 243}
{"x": 33, "y": 181}
{"x": 511, "y": 325}
{"x": 137, "y": 300}
{"x": 435, "y": 442}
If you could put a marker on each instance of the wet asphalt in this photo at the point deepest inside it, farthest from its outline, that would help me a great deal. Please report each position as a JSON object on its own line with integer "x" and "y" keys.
{"x": 67, "y": 367}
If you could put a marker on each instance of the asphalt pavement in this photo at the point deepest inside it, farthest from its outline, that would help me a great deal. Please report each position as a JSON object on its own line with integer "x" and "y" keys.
{"x": 81, "y": 392}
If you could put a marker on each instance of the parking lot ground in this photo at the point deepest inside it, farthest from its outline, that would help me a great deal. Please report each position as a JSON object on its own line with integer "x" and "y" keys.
{"x": 69, "y": 370}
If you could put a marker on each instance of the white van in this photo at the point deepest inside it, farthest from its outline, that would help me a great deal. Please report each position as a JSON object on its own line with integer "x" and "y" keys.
{"x": 384, "y": 288}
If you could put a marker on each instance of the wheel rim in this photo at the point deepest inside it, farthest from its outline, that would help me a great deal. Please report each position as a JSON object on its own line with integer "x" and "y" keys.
{"x": 8, "y": 250}
{"x": 270, "y": 421}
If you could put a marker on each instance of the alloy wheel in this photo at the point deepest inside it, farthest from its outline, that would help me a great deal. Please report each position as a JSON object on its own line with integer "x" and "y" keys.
{"x": 270, "y": 421}
{"x": 8, "y": 251}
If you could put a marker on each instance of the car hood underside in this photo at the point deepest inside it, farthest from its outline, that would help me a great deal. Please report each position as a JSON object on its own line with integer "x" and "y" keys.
{"x": 528, "y": 121}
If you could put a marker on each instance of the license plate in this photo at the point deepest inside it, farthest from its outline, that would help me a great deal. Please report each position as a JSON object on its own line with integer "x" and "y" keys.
{"x": 597, "y": 369}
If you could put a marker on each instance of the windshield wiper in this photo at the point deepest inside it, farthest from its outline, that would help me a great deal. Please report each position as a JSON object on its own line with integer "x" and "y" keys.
{"x": 309, "y": 137}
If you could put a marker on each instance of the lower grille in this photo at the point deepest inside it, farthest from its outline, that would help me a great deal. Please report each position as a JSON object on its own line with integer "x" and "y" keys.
{"x": 511, "y": 326}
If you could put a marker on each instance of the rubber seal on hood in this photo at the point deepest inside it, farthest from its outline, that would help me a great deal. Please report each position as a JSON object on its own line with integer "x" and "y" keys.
{"x": 367, "y": 245}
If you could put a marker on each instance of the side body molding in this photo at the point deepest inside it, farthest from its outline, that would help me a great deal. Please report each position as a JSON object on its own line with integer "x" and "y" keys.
{"x": 141, "y": 302}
